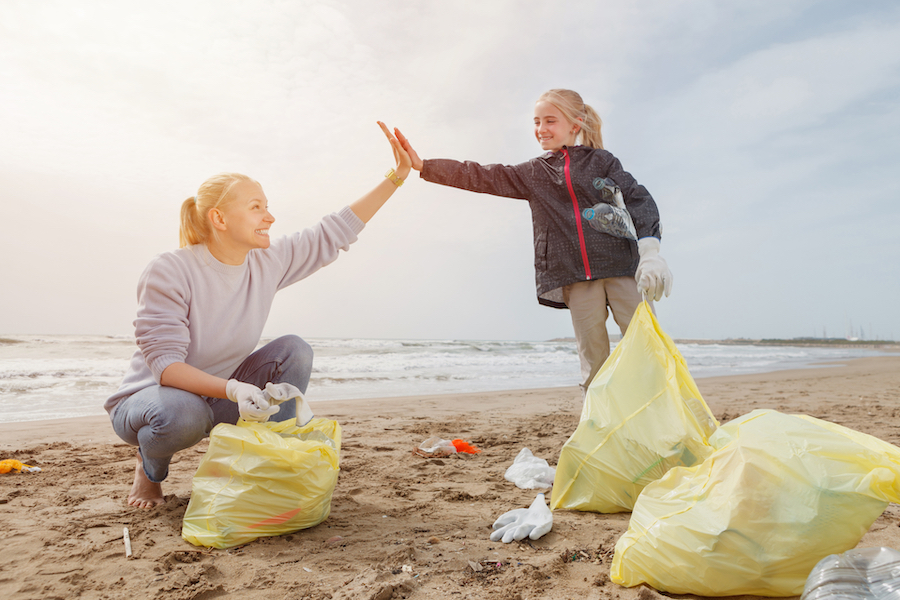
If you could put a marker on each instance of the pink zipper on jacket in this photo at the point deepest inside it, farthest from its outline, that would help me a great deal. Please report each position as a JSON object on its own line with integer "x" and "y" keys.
{"x": 584, "y": 256}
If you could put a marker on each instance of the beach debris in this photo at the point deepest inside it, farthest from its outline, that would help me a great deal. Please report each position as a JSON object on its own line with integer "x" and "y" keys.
{"x": 475, "y": 566}
{"x": 11, "y": 464}
{"x": 610, "y": 216}
{"x": 333, "y": 540}
{"x": 857, "y": 573}
{"x": 517, "y": 524}
{"x": 127, "y": 540}
{"x": 435, "y": 447}
{"x": 406, "y": 569}
{"x": 465, "y": 447}
{"x": 530, "y": 472}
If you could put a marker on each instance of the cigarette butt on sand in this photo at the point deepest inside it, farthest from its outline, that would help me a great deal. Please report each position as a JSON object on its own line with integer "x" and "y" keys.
{"x": 127, "y": 543}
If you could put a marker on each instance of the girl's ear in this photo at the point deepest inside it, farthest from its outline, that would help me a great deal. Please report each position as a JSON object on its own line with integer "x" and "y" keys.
{"x": 217, "y": 219}
{"x": 578, "y": 124}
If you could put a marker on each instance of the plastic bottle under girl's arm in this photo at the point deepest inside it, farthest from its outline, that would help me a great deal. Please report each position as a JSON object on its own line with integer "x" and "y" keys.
{"x": 611, "y": 216}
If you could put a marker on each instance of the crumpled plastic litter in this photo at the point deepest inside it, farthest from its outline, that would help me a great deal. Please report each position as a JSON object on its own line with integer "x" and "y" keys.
{"x": 530, "y": 472}
{"x": 859, "y": 574}
{"x": 11, "y": 464}
{"x": 610, "y": 216}
{"x": 465, "y": 447}
{"x": 517, "y": 524}
{"x": 435, "y": 447}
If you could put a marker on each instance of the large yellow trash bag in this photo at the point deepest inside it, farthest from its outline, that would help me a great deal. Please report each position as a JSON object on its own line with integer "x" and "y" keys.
{"x": 779, "y": 493}
{"x": 262, "y": 479}
{"x": 642, "y": 415}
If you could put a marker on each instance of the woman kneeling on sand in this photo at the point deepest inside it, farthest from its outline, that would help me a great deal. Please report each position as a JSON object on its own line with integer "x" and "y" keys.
{"x": 201, "y": 312}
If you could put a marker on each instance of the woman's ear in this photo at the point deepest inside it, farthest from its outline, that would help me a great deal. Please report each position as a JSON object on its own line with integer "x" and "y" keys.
{"x": 217, "y": 219}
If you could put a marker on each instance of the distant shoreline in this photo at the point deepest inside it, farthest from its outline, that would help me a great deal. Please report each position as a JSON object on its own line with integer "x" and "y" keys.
{"x": 887, "y": 346}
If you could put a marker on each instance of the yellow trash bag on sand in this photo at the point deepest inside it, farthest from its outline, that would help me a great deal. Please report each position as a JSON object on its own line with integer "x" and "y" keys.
{"x": 262, "y": 479}
{"x": 780, "y": 493}
{"x": 642, "y": 415}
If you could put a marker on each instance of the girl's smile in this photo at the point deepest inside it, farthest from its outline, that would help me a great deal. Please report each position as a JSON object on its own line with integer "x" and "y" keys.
{"x": 551, "y": 129}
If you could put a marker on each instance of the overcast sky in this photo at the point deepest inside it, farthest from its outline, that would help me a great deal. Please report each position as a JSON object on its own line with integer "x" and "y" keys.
{"x": 768, "y": 132}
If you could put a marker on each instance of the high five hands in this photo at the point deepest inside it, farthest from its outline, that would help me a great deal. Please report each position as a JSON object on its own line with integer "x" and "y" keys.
{"x": 414, "y": 157}
{"x": 401, "y": 155}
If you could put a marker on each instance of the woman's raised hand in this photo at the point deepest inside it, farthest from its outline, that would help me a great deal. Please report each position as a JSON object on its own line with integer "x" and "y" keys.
{"x": 401, "y": 156}
{"x": 416, "y": 161}
{"x": 366, "y": 207}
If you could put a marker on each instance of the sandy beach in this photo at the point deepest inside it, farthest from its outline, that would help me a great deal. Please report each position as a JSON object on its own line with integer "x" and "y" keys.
{"x": 62, "y": 528}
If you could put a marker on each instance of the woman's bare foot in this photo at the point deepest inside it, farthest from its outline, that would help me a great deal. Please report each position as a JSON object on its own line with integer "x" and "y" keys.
{"x": 144, "y": 493}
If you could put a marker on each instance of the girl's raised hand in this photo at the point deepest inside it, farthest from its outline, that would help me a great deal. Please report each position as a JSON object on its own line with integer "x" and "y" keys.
{"x": 401, "y": 156}
{"x": 416, "y": 161}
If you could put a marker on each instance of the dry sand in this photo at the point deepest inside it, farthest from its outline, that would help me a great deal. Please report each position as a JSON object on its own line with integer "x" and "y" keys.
{"x": 61, "y": 530}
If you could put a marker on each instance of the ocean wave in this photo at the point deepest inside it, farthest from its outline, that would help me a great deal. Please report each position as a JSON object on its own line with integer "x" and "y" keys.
{"x": 64, "y": 376}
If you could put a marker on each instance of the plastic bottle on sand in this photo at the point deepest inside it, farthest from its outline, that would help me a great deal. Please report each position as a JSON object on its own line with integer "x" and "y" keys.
{"x": 864, "y": 574}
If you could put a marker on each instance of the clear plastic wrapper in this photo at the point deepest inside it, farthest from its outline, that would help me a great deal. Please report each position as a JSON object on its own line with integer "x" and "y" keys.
{"x": 530, "y": 472}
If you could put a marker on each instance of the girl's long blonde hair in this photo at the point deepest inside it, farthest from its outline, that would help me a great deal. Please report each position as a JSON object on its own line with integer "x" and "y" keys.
{"x": 575, "y": 110}
{"x": 213, "y": 193}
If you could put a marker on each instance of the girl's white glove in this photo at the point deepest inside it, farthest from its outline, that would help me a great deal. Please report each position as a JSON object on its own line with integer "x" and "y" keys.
{"x": 251, "y": 402}
{"x": 517, "y": 524}
{"x": 653, "y": 276}
{"x": 276, "y": 393}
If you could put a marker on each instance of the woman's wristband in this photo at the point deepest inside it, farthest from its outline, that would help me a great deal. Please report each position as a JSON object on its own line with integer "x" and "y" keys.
{"x": 394, "y": 178}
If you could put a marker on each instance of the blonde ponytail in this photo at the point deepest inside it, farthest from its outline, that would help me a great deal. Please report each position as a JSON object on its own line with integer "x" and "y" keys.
{"x": 213, "y": 193}
{"x": 590, "y": 131}
{"x": 194, "y": 229}
{"x": 576, "y": 111}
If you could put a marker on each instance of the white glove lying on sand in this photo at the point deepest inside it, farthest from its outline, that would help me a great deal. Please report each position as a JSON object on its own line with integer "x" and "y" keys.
{"x": 276, "y": 393}
{"x": 517, "y": 524}
{"x": 251, "y": 402}
{"x": 653, "y": 275}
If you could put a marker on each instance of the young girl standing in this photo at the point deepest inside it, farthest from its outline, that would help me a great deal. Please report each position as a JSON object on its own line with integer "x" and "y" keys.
{"x": 576, "y": 267}
{"x": 201, "y": 312}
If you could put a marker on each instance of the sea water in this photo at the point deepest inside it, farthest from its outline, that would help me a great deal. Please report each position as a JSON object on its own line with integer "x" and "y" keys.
{"x": 61, "y": 376}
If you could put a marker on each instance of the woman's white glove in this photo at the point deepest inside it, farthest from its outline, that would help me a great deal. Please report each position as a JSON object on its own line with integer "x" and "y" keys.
{"x": 276, "y": 393}
{"x": 251, "y": 402}
{"x": 653, "y": 276}
{"x": 517, "y": 524}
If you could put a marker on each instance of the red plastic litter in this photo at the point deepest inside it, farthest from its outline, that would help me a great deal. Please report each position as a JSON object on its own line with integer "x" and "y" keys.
{"x": 462, "y": 446}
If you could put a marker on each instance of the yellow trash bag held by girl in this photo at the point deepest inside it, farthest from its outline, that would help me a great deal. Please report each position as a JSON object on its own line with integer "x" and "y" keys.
{"x": 779, "y": 493}
{"x": 262, "y": 479}
{"x": 642, "y": 415}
